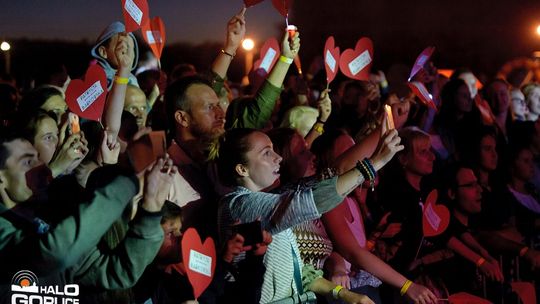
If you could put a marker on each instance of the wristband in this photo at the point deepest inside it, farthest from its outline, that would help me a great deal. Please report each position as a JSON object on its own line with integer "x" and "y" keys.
{"x": 121, "y": 80}
{"x": 286, "y": 59}
{"x": 228, "y": 54}
{"x": 384, "y": 84}
{"x": 523, "y": 251}
{"x": 480, "y": 262}
{"x": 335, "y": 292}
{"x": 318, "y": 129}
{"x": 370, "y": 245}
{"x": 405, "y": 287}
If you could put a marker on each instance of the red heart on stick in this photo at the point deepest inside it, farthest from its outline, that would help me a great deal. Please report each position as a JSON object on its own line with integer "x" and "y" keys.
{"x": 282, "y": 6}
{"x": 268, "y": 56}
{"x": 87, "y": 98}
{"x": 420, "y": 90}
{"x": 421, "y": 60}
{"x": 135, "y": 14}
{"x": 357, "y": 63}
{"x": 435, "y": 218}
{"x": 199, "y": 260}
{"x": 154, "y": 34}
{"x": 249, "y": 3}
{"x": 331, "y": 59}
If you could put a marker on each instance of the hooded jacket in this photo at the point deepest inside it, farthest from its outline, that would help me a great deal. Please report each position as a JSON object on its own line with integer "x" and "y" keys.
{"x": 111, "y": 30}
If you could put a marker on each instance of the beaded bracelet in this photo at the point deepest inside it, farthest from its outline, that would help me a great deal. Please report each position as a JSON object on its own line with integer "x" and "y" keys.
{"x": 368, "y": 171}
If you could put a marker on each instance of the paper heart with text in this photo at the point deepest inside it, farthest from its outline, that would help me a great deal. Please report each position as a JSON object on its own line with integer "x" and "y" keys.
{"x": 435, "y": 217}
{"x": 269, "y": 55}
{"x": 356, "y": 63}
{"x": 420, "y": 90}
{"x": 331, "y": 59}
{"x": 135, "y": 14}
{"x": 421, "y": 60}
{"x": 86, "y": 98}
{"x": 199, "y": 260}
{"x": 153, "y": 33}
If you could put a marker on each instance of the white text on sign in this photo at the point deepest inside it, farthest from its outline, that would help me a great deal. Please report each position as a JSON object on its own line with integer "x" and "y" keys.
{"x": 267, "y": 60}
{"x": 134, "y": 11}
{"x": 88, "y": 97}
{"x": 330, "y": 60}
{"x": 200, "y": 263}
{"x": 153, "y": 37}
{"x": 360, "y": 62}
{"x": 433, "y": 219}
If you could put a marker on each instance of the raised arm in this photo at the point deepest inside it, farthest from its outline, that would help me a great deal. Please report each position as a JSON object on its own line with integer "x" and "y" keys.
{"x": 114, "y": 106}
{"x": 236, "y": 30}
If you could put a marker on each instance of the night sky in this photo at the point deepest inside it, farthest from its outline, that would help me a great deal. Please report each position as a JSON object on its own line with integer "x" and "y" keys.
{"x": 193, "y": 21}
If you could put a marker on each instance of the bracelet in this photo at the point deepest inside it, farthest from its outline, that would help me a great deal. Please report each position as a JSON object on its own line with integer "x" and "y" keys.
{"x": 318, "y": 129}
{"x": 335, "y": 292}
{"x": 370, "y": 245}
{"x": 121, "y": 80}
{"x": 523, "y": 251}
{"x": 286, "y": 59}
{"x": 228, "y": 54}
{"x": 384, "y": 84}
{"x": 405, "y": 287}
{"x": 368, "y": 171}
{"x": 480, "y": 262}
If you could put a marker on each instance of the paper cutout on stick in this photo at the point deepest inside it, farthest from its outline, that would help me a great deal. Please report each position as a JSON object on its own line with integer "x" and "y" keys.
{"x": 86, "y": 98}
{"x": 135, "y": 14}
{"x": 331, "y": 59}
{"x": 356, "y": 63}
{"x": 435, "y": 218}
{"x": 282, "y": 6}
{"x": 199, "y": 259}
{"x": 249, "y": 3}
{"x": 421, "y": 60}
{"x": 420, "y": 90}
{"x": 154, "y": 34}
{"x": 268, "y": 56}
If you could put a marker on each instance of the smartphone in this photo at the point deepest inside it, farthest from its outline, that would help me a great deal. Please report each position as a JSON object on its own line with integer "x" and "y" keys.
{"x": 74, "y": 126}
{"x": 252, "y": 232}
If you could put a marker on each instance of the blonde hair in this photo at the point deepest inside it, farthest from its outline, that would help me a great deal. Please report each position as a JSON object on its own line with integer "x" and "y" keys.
{"x": 299, "y": 117}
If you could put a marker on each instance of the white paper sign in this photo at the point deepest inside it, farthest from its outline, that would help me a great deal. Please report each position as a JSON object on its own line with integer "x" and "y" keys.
{"x": 88, "y": 97}
{"x": 153, "y": 37}
{"x": 422, "y": 60}
{"x": 267, "y": 60}
{"x": 134, "y": 11}
{"x": 331, "y": 61}
{"x": 360, "y": 62}
{"x": 433, "y": 219}
{"x": 200, "y": 263}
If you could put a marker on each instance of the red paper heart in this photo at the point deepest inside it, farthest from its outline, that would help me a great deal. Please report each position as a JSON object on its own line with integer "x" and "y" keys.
{"x": 282, "y": 6}
{"x": 154, "y": 34}
{"x": 357, "y": 63}
{"x": 421, "y": 60}
{"x": 135, "y": 14}
{"x": 249, "y": 3}
{"x": 268, "y": 56}
{"x": 331, "y": 59}
{"x": 86, "y": 98}
{"x": 420, "y": 90}
{"x": 199, "y": 260}
{"x": 435, "y": 218}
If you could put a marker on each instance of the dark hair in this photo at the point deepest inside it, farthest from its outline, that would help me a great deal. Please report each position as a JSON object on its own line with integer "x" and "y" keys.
{"x": 447, "y": 114}
{"x": 282, "y": 138}
{"x": 27, "y": 123}
{"x": 470, "y": 149}
{"x": 489, "y": 94}
{"x": 460, "y": 71}
{"x": 34, "y": 99}
{"x": 233, "y": 146}
{"x": 176, "y": 99}
{"x": 7, "y": 135}
{"x": 170, "y": 211}
{"x": 450, "y": 179}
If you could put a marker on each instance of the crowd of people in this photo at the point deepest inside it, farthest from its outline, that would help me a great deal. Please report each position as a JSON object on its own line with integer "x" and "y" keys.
{"x": 335, "y": 193}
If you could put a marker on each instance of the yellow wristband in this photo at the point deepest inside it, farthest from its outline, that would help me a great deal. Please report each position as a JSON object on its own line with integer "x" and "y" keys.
{"x": 121, "y": 80}
{"x": 405, "y": 287}
{"x": 286, "y": 59}
{"x": 523, "y": 251}
{"x": 335, "y": 291}
{"x": 480, "y": 262}
{"x": 319, "y": 129}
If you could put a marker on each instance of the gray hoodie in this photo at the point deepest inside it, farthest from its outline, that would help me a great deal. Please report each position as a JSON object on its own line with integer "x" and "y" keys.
{"x": 114, "y": 28}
